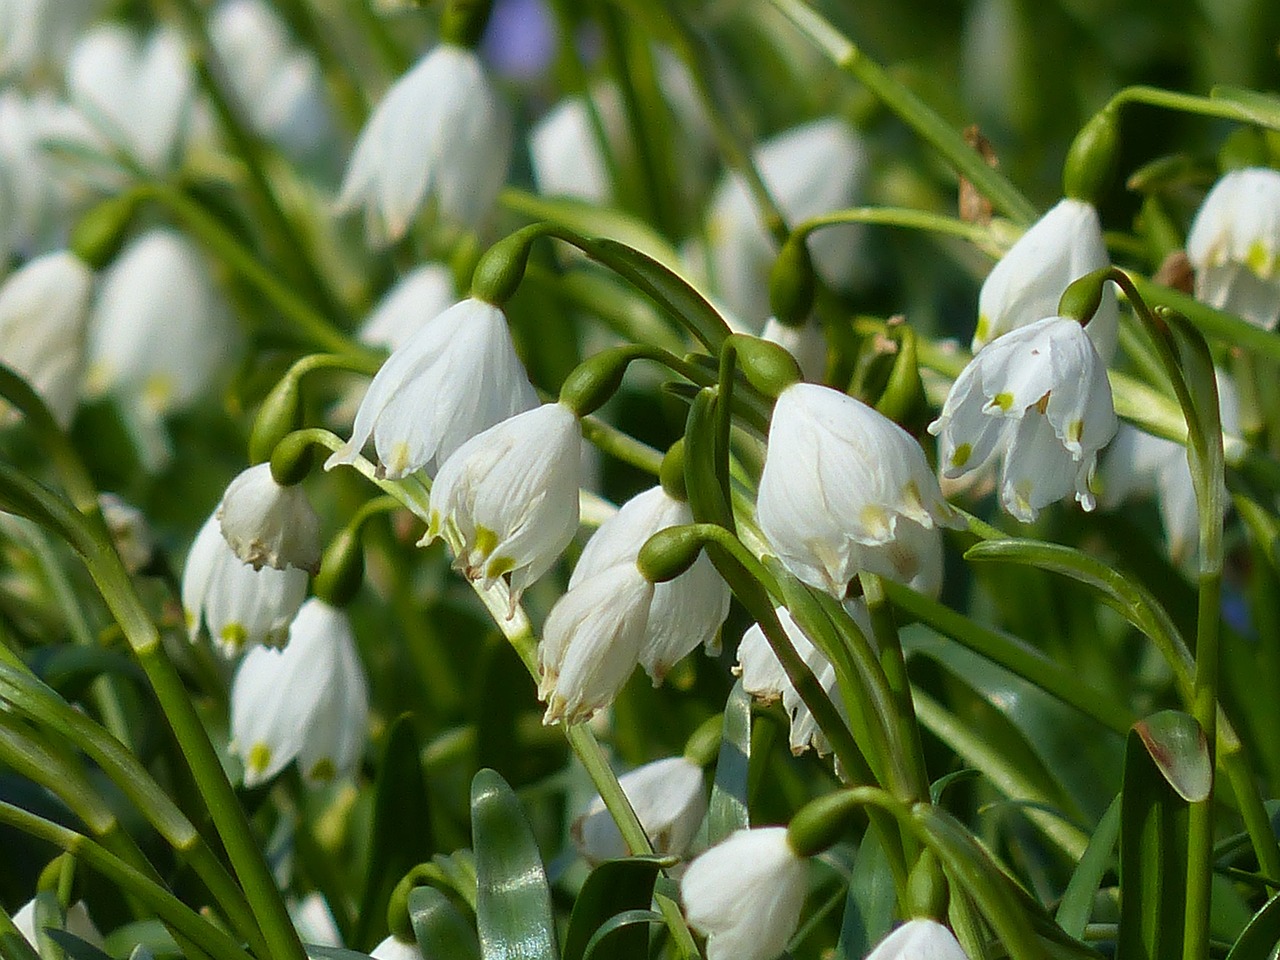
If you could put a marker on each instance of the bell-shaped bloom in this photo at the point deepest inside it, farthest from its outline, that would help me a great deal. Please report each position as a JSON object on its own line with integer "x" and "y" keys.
{"x": 456, "y": 377}
{"x": 745, "y": 894}
{"x": 687, "y": 610}
{"x": 44, "y": 308}
{"x": 919, "y": 939}
{"x": 308, "y": 701}
{"x": 1026, "y": 285}
{"x": 565, "y": 150}
{"x": 78, "y": 923}
{"x": 393, "y": 948}
{"x": 277, "y": 85}
{"x": 136, "y": 95}
{"x": 267, "y": 524}
{"x": 807, "y": 343}
{"x": 1234, "y": 245}
{"x": 441, "y": 136}
{"x": 591, "y": 642}
{"x": 839, "y": 481}
{"x": 809, "y": 170}
{"x": 238, "y": 605}
{"x": 670, "y": 801}
{"x": 1039, "y": 399}
{"x": 506, "y": 501}
{"x": 416, "y": 299}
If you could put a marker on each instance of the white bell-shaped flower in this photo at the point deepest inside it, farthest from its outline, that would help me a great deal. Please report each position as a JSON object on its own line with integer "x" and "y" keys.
{"x": 591, "y": 642}
{"x": 267, "y": 524}
{"x": 565, "y": 151}
{"x": 687, "y": 610}
{"x": 457, "y": 376}
{"x": 44, "y": 308}
{"x": 278, "y": 86}
{"x": 417, "y": 298}
{"x": 811, "y": 169}
{"x": 807, "y": 343}
{"x": 393, "y": 948}
{"x": 839, "y": 481}
{"x": 919, "y": 939}
{"x": 78, "y": 923}
{"x": 442, "y": 136}
{"x": 136, "y": 95}
{"x": 670, "y": 801}
{"x": 1039, "y": 399}
{"x": 1234, "y": 245}
{"x": 309, "y": 701}
{"x": 506, "y": 501}
{"x": 746, "y": 894}
{"x": 1029, "y": 280}
{"x": 238, "y": 605}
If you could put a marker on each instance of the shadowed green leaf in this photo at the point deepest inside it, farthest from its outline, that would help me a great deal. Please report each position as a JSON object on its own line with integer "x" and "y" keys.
{"x": 727, "y": 811}
{"x": 441, "y": 930}
{"x": 615, "y": 887}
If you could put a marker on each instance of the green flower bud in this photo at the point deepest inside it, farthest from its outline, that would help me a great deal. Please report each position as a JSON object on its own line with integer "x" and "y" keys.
{"x": 292, "y": 458}
{"x": 669, "y": 553}
{"x": 791, "y": 283}
{"x": 341, "y": 568}
{"x": 671, "y": 473}
{"x": 821, "y": 823}
{"x": 1091, "y": 158}
{"x": 768, "y": 367}
{"x": 500, "y": 270}
{"x": 927, "y": 892}
{"x": 1081, "y": 300}
{"x": 591, "y": 383}
{"x": 903, "y": 396}
{"x": 279, "y": 415}
{"x": 101, "y": 231}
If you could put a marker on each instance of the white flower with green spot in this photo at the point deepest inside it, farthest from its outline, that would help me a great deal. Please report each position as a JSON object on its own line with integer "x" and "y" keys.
{"x": 1234, "y": 245}
{"x": 506, "y": 501}
{"x": 308, "y": 702}
{"x": 1039, "y": 399}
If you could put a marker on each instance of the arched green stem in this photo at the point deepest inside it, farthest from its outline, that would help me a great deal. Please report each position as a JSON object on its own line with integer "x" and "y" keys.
{"x": 1217, "y": 107}
{"x": 922, "y": 220}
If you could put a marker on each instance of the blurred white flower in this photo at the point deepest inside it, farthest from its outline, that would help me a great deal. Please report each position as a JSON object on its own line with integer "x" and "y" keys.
{"x": 807, "y": 343}
{"x": 565, "y": 150}
{"x": 506, "y": 501}
{"x": 591, "y": 642}
{"x": 457, "y": 376}
{"x": 78, "y": 923}
{"x": 35, "y": 33}
{"x": 277, "y": 85}
{"x": 266, "y": 523}
{"x": 919, "y": 939}
{"x": 685, "y": 611}
{"x": 130, "y": 532}
{"x": 670, "y": 801}
{"x": 314, "y": 921}
{"x": 745, "y": 894}
{"x": 413, "y": 302}
{"x": 44, "y": 308}
{"x": 840, "y": 484}
{"x": 308, "y": 701}
{"x": 811, "y": 169}
{"x": 238, "y": 605}
{"x": 1039, "y": 399}
{"x": 34, "y": 204}
{"x": 441, "y": 136}
{"x": 1029, "y": 280}
{"x": 135, "y": 94}
{"x": 1234, "y": 245}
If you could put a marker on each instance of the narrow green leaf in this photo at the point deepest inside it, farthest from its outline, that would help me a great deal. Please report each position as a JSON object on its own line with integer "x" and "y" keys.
{"x": 621, "y": 921}
{"x": 74, "y": 947}
{"x": 318, "y": 952}
{"x": 614, "y": 887}
{"x": 401, "y": 829}
{"x": 439, "y": 927}
{"x": 1153, "y": 861}
{"x": 869, "y": 906}
{"x": 513, "y": 902}
{"x": 1261, "y": 108}
{"x": 1179, "y": 750}
{"x": 1077, "y": 901}
{"x": 1258, "y": 942}
{"x": 727, "y": 811}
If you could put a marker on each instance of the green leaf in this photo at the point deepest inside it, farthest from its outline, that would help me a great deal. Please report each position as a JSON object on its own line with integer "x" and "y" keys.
{"x": 869, "y": 907}
{"x": 401, "y": 829}
{"x": 513, "y": 902}
{"x": 1258, "y": 942}
{"x": 728, "y": 811}
{"x": 1076, "y": 905}
{"x": 1260, "y": 108}
{"x": 439, "y": 927}
{"x": 74, "y": 947}
{"x": 614, "y": 887}
{"x": 1179, "y": 750}
{"x": 319, "y": 952}
{"x": 1153, "y": 860}
{"x": 620, "y": 921}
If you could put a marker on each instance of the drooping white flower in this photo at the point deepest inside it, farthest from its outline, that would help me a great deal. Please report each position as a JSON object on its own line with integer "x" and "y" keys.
{"x": 839, "y": 481}
{"x": 457, "y": 376}
{"x": 34, "y": 33}
{"x": 1039, "y": 399}
{"x": 745, "y": 894}
{"x": 309, "y": 701}
{"x": 811, "y": 169}
{"x": 314, "y": 921}
{"x": 393, "y": 948}
{"x": 414, "y": 301}
{"x": 130, "y": 532}
{"x": 277, "y": 85}
{"x": 506, "y": 501}
{"x": 441, "y": 135}
{"x": 78, "y": 923}
{"x": 670, "y": 801}
{"x": 591, "y": 642}
{"x": 1234, "y": 245}
{"x": 135, "y": 94}
{"x": 34, "y": 204}
{"x": 266, "y": 523}
{"x": 1029, "y": 280}
{"x": 565, "y": 150}
{"x": 238, "y": 605}
{"x": 919, "y": 939}
{"x": 685, "y": 611}
{"x": 807, "y": 343}
{"x": 44, "y": 307}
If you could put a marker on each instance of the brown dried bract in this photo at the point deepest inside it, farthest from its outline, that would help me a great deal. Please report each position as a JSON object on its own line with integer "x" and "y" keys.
{"x": 974, "y": 207}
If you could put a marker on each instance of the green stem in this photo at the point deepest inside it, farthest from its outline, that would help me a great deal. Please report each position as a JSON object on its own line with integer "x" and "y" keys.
{"x": 910, "y": 109}
{"x": 621, "y": 446}
{"x": 1183, "y": 103}
{"x": 904, "y": 217}
{"x": 1208, "y": 320}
